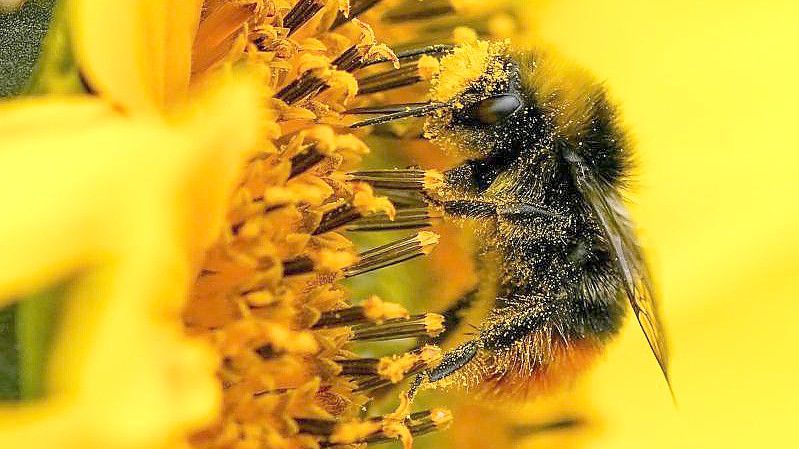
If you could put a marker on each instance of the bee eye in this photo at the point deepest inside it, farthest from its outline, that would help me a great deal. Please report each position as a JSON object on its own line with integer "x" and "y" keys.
{"x": 496, "y": 109}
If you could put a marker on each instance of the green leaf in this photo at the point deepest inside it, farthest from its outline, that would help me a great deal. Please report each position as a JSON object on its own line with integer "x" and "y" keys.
{"x": 56, "y": 70}
{"x": 22, "y": 32}
{"x": 36, "y": 325}
{"x": 27, "y": 329}
{"x": 9, "y": 354}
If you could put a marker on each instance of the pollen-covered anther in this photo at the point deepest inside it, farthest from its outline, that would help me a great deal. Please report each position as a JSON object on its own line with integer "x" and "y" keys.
{"x": 393, "y": 253}
{"x": 357, "y": 7}
{"x": 370, "y": 373}
{"x": 363, "y": 204}
{"x": 425, "y": 325}
{"x": 371, "y": 310}
{"x": 399, "y": 179}
{"x": 376, "y": 310}
{"x": 396, "y": 368}
{"x": 390, "y": 427}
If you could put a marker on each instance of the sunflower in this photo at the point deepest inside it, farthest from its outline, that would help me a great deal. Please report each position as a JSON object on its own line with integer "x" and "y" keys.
{"x": 200, "y": 253}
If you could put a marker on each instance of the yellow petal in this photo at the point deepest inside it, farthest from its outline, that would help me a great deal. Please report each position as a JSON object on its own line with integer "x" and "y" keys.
{"x": 137, "y": 53}
{"x": 126, "y": 205}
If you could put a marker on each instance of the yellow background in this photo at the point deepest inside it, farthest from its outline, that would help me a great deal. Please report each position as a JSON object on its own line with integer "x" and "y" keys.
{"x": 710, "y": 91}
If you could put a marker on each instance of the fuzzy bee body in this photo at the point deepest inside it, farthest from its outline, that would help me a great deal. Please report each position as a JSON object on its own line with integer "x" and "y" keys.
{"x": 545, "y": 164}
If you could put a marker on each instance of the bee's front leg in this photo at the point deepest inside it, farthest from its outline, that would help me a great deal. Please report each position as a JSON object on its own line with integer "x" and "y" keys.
{"x": 507, "y": 325}
{"x": 459, "y": 192}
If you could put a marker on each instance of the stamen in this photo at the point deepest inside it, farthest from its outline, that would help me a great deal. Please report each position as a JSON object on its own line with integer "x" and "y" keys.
{"x": 306, "y": 85}
{"x": 405, "y": 219}
{"x": 302, "y": 12}
{"x": 319, "y": 427}
{"x": 374, "y": 430}
{"x": 357, "y": 7}
{"x": 351, "y": 59}
{"x": 358, "y": 367}
{"x": 415, "y": 53}
{"x": 412, "y": 11}
{"x": 404, "y": 199}
{"x": 298, "y": 265}
{"x": 334, "y": 218}
{"x": 418, "y": 424}
{"x": 370, "y": 374}
{"x": 303, "y": 161}
{"x": 349, "y": 216}
{"x": 371, "y": 310}
{"x": 399, "y": 179}
{"x": 389, "y": 79}
{"x": 409, "y": 112}
{"x": 428, "y": 324}
{"x": 393, "y": 79}
{"x": 384, "y": 109}
{"x": 393, "y": 253}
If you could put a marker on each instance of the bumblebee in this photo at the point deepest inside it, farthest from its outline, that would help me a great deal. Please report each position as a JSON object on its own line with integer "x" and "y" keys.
{"x": 545, "y": 164}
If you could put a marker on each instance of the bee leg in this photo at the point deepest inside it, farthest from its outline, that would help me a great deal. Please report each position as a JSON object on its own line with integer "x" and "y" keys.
{"x": 469, "y": 208}
{"x": 453, "y": 360}
{"x": 488, "y": 209}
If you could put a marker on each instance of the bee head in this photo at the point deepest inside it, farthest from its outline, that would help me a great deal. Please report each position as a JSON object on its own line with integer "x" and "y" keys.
{"x": 486, "y": 107}
{"x": 503, "y": 103}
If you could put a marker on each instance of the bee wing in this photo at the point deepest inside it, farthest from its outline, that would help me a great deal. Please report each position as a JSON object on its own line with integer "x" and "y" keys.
{"x": 608, "y": 208}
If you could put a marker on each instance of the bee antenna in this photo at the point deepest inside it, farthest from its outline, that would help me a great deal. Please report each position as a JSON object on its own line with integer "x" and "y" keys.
{"x": 395, "y": 112}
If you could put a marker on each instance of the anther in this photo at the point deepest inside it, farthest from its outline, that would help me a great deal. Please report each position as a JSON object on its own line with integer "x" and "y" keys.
{"x": 298, "y": 265}
{"x": 370, "y": 374}
{"x": 428, "y": 324}
{"x": 375, "y": 430}
{"x": 393, "y": 253}
{"x": 415, "y": 53}
{"x": 418, "y": 424}
{"x": 418, "y": 111}
{"x": 411, "y": 218}
{"x": 337, "y": 217}
{"x": 301, "y": 162}
{"x": 389, "y": 79}
{"x": 357, "y": 7}
{"x": 371, "y": 310}
{"x": 302, "y": 12}
{"x": 408, "y": 179}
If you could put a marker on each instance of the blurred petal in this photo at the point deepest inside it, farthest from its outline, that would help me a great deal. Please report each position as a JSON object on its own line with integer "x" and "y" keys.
{"x": 126, "y": 207}
{"x": 136, "y": 53}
